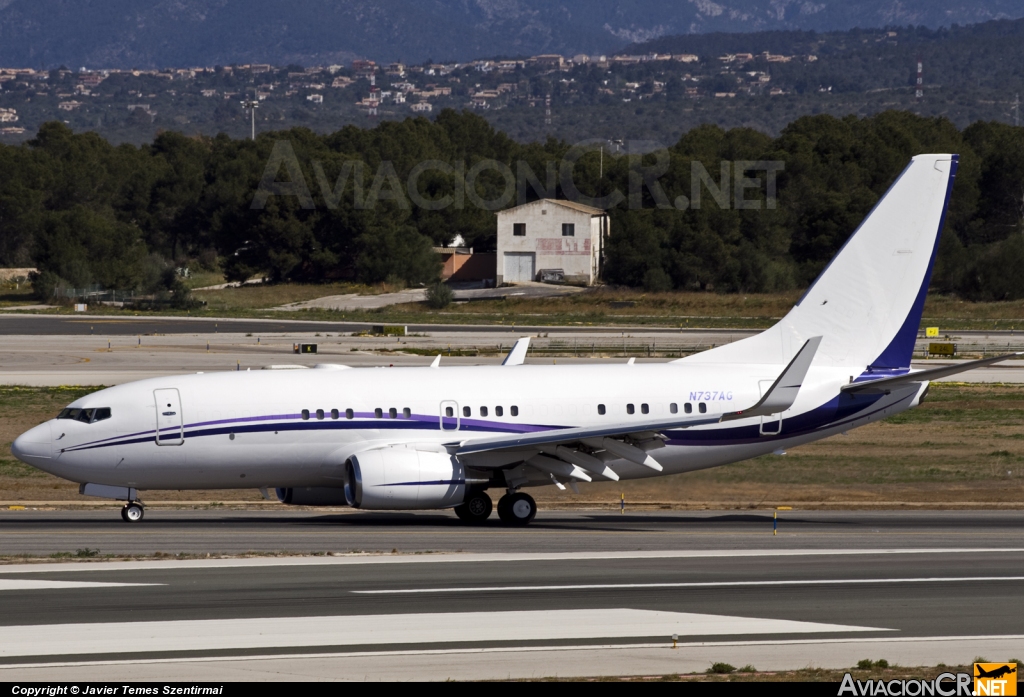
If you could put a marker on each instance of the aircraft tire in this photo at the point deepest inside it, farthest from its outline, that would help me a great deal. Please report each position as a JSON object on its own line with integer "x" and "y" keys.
{"x": 476, "y": 509}
{"x": 132, "y": 512}
{"x": 517, "y": 510}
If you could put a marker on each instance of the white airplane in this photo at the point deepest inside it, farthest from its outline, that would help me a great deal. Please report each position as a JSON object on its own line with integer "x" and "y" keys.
{"x": 434, "y": 438}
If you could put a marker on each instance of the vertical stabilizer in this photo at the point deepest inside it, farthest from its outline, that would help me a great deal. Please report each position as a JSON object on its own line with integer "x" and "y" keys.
{"x": 867, "y": 303}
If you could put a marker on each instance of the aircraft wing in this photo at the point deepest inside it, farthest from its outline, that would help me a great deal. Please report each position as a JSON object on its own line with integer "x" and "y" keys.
{"x": 884, "y": 385}
{"x": 587, "y": 447}
{"x": 517, "y": 356}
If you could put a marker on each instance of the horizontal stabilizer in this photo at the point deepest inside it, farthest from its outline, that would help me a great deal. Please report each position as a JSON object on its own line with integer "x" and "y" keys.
{"x": 517, "y": 356}
{"x": 884, "y": 385}
{"x": 782, "y": 394}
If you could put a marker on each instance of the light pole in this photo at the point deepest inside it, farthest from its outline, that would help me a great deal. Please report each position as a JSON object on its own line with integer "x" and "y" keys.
{"x": 251, "y": 105}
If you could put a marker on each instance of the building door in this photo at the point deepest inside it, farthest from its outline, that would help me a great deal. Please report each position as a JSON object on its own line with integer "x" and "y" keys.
{"x": 520, "y": 266}
{"x": 169, "y": 429}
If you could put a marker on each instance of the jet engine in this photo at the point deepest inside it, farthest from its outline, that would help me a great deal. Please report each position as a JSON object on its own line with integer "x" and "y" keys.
{"x": 401, "y": 478}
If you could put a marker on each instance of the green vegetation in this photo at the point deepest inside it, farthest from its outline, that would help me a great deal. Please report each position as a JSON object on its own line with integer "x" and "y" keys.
{"x": 88, "y": 214}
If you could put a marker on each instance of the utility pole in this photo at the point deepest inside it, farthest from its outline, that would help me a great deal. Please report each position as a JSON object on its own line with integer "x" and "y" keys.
{"x": 251, "y": 105}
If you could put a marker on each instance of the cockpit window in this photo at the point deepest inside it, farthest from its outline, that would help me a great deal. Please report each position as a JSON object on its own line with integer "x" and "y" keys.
{"x": 86, "y": 416}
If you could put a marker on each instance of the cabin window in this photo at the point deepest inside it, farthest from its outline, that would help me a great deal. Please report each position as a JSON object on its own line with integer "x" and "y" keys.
{"x": 393, "y": 413}
{"x": 466, "y": 411}
{"x": 379, "y": 413}
{"x": 645, "y": 409}
{"x": 449, "y": 412}
{"x": 305, "y": 414}
{"x": 349, "y": 414}
{"x": 514, "y": 410}
{"x": 673, "y": 408}
{"x": 320, "y": 414}
{"x": 483, "y": 411}
{"x": 407, "y": 413}
{"x": 688, "y": 408}
{"x": 630, "y": 409}
{"x": 600, "y": 409}
{"x": 498, "y": 411}
{"x": 703, "y": 408}
{"x": 335, "y": 413}
{"x": 519, "y": 229}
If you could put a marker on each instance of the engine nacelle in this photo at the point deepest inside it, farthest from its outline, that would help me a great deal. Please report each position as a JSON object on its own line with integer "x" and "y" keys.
{"x": 404, "y": 479}
{"x": 313, "y": 496}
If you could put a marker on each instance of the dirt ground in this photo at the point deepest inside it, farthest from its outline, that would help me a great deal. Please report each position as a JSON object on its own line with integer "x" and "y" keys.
{"x": 964, "y": 448}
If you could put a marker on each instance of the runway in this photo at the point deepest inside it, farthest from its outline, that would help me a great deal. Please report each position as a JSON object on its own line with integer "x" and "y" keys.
{"x": 110, "y": 355}
{"x": 513, "y": 614}
{"x": 320, "y": 531}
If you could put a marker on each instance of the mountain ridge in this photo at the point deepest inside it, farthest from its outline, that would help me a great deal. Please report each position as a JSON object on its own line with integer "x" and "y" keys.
{"x": 182, "y": 33}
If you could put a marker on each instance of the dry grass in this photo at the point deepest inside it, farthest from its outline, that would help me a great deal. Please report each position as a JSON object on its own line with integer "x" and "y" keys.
{"x": 802, "y": 675}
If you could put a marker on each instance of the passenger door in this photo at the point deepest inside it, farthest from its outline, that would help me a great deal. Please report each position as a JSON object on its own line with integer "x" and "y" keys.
{"x": 169, "y": 422}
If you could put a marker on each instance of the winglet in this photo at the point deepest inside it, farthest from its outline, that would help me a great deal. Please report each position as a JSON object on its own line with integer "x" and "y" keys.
{"x": 781, "y": 395}
{"x": 517, "y": 356}
{"x": 436, "y": 363}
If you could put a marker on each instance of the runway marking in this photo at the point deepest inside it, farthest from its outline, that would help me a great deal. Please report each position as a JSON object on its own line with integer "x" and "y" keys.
{"x": 354, "y": 630}
{"x": 512, "y": 649}
{"x": 702, "y": 584}
{"x": 476, "y": 558}
{"x": 24, "y": 584}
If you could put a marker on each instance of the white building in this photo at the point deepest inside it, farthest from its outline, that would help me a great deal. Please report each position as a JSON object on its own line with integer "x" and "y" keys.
{"x": 550, "y": 234}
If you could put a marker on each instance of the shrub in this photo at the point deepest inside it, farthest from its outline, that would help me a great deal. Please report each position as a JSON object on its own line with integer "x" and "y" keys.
{"x": 439, "y": 295}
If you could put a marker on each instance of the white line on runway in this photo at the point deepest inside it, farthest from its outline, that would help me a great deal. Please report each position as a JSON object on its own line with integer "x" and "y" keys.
{"x": 365, "y": 630}
{"x": 24, "y": 584}
{"x": 514, "y": 649}
{"x": 477, "y": 558}
{"x": 700, "y": 584}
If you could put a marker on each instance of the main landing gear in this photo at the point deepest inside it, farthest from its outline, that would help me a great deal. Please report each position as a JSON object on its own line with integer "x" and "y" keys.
{"x": 515, "y": 509}
{"x": 475, "y": 509}
{"x": 132, "y": 512}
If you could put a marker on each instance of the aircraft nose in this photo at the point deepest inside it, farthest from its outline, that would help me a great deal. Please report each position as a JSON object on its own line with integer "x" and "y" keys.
{"x": 34, "y": 444}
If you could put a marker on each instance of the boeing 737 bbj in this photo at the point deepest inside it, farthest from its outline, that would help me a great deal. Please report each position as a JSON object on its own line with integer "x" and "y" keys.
{"x": 441, "y": 437}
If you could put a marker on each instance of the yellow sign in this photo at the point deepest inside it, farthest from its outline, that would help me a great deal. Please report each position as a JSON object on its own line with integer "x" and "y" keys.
{"x": 995, "y": 679}
{"x": 931, "y": 332}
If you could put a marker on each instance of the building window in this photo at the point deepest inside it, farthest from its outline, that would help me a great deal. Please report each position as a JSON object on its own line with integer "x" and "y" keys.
{"x": 514, "y": 411}
{"x": 320, "y": 414}
{"x": 483, "y": 411}
{"x": 498, "y": 411}
{"x": 379, "y": 413}
{"x": 688, "y": 408}
{"x": 519, "y": 229}
{"x": 335, "y": 413}
{"x": 630, "y": 409}
{"x": 703, "y": 408}
{"x": 466, "y": 411}
{"x": 407, "y": 413}
{"x": 600, "y": 409}
{"x": 393, "y": 413}
{"x": 349, "y": 414}
{"x": 673, "y": 408}
{"x": 645, "y": 409}
{"x": 305, "y": 414}
{"x": 568, "y": 229}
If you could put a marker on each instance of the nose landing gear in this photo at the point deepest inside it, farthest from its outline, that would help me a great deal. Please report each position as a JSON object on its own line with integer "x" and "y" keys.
{"x": 132, "y": 512}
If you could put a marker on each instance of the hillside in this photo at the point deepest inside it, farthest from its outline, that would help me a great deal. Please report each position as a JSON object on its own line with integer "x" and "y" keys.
{"x": 178, "y": 33}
